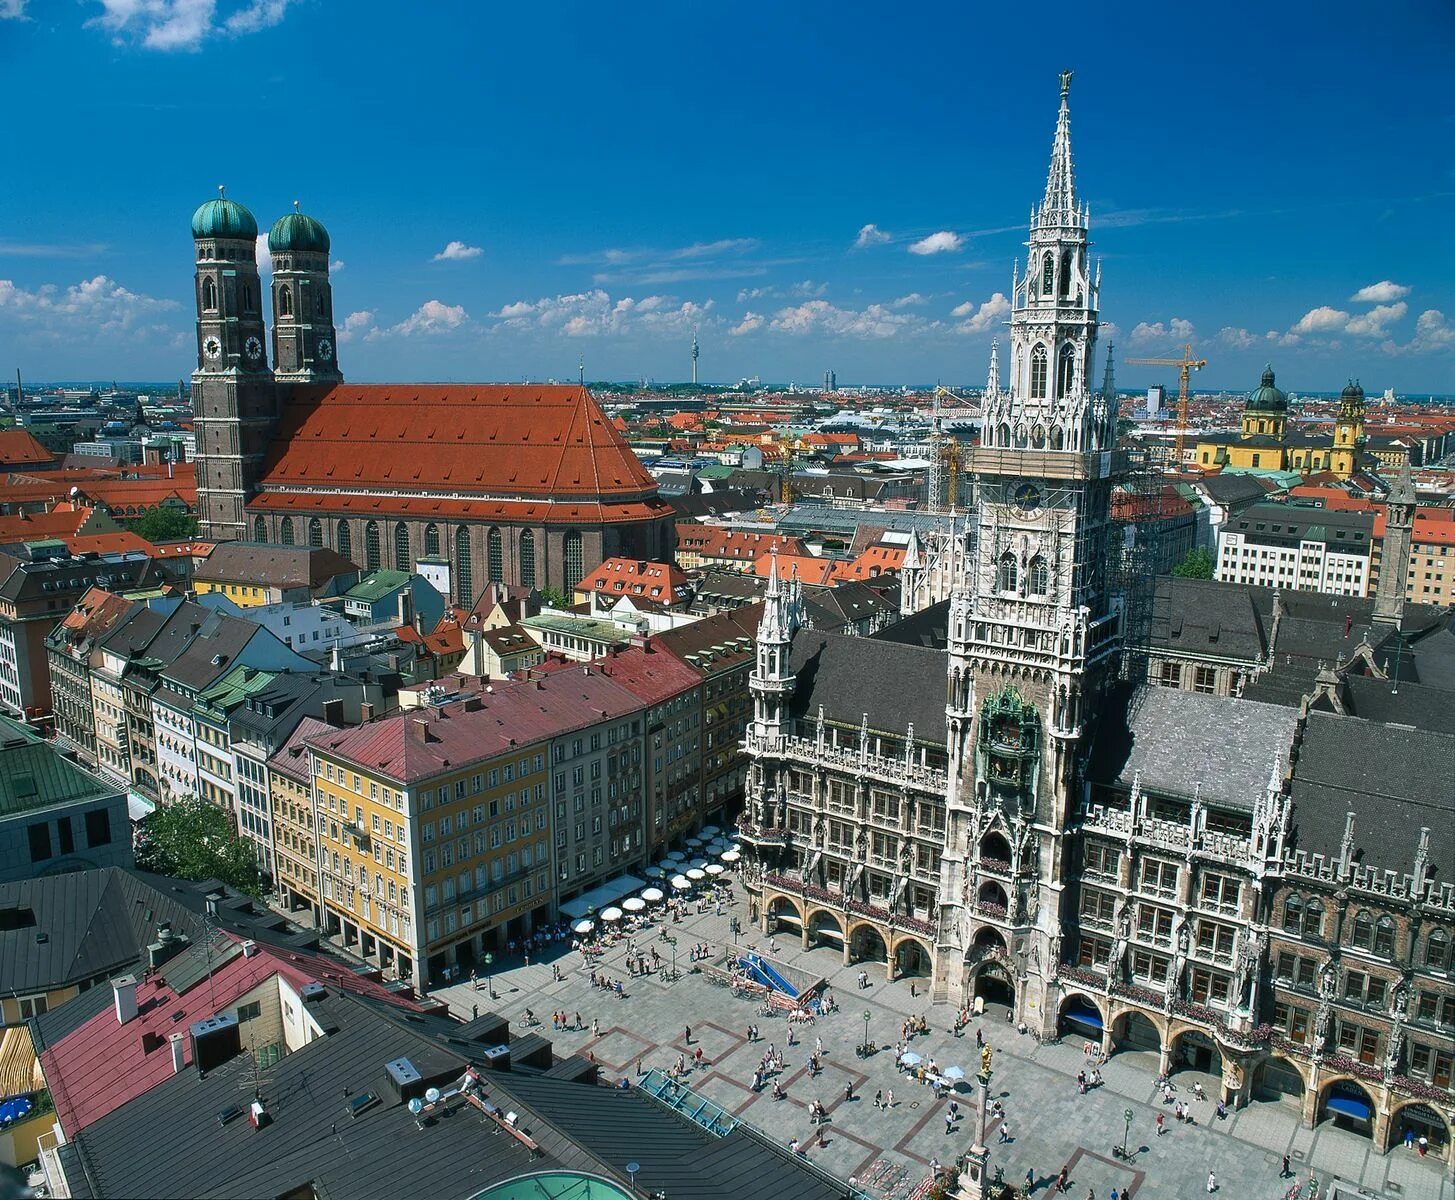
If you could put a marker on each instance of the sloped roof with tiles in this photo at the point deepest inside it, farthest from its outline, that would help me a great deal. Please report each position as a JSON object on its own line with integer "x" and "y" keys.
{"x": 18, "y": 448}
{"x": 496, "y": 450}
{"x": 636, "y": 577}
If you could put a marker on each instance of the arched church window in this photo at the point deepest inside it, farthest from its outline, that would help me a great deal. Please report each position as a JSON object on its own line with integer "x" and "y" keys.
{"x": 1048, "y": 274}
{"x": 1058, "y": 439}
{"x": 1038, "y": 437}
{"x": 494, "y": 556}
{"x": 250, "y": 298}
{"x": 318, "y": 304}
{"x": 1293, "y": 913}
{"x": 260, "y": 530}
{"x": 1384, "y": 931}
{"x": 573, "y": 560}
{"x": 1004, "y": 438}
{"x": 285, "y": 301}
{"x": 401, "y": 547}
{"x": 1363, "y": 937}
{"x": 1065, "y": 367}
{"x": 1005, "y": 576}
{"x": 464, "y": 576}
{"x": 285, "y": 531}
{"x": 431, "y": 539}
{"x": 209, "y": 296}
{"x": 528, "y": 559}
{"x": 371, "y": 546}
{"x": 345, "y": 541}
{"x": 1038, "y": 370}
{"x": 315, "y": 532}
{"x": 1065, "y": 272}
{"x": 1040, "y": 577}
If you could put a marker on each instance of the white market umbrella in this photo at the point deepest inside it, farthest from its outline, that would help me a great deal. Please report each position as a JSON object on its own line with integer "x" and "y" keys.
{"x": 714, "y": 868}
{"x": 697, "y": 841}
{"x": 583, "y": 927}
{"x": 697, "y": 875}
{"x": 679, "y": 883}
{"x": 731, "y": 856}
{"x": 709, "y": 830}
{"x": 653, "y": 895}
{"x": 698, "y": 863}
{"x": 675, "y": 857}
{"x": 656, "y": 872}
{"x": 611, "y": 914}
{"x": 633, "y": 904}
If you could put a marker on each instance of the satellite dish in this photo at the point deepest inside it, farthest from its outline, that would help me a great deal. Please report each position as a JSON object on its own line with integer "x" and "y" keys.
{"x": 432, "y": 1095}
{"x": 416, "y": 1106}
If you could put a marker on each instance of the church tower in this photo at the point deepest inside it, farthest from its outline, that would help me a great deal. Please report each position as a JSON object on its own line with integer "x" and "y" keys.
{"x": 234, "y": 401}
{"x": 771, "y": 685}
{"x": 1033, "y": 634}
{"x": 305, "y": 346}
{"x": 1348, "y": 432}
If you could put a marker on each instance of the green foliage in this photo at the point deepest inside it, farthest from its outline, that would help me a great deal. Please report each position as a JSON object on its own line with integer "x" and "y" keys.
{"x": 1197, "y": 565}
{"x": 164, "y": 525}
{"x": 195, "y": 840}
{"x": 555, "y": 597}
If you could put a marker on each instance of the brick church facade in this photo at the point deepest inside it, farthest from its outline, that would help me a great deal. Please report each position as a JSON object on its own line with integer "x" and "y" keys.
{"x": 527, "y": 484}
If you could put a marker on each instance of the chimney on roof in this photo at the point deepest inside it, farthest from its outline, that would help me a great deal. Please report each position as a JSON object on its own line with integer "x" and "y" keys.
{"x": 333, "y": 711}
{"x": 123, "y": 989}
{"x": 419, "y": 729}
{"x": 179, "y": 1052}
{"x": 366, "y": 712}
{"x": 213, "y": 900}
{"x": 250, "y": 948}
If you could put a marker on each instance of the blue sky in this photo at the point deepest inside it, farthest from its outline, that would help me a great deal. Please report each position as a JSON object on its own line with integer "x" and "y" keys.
{"x": 510, "y": 187}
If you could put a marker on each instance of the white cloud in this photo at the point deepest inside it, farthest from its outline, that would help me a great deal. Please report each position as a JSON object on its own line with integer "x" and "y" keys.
{"x": 1380, "y": 293}
{"x": 1372, "y": 323}
{"x": 1282, "y": 339}
{"x": 265, "y": 256}
{"x": 457, "y": 252}
{"x": 1321, "y": 320}
{"x": 819, "y": 316}
{"x": 758, "y": 293}
{"x": 12, "y": 10}
{"x": 336, "y": 266}
{"x": 98, "y": 305}
{"x": 870, "y": 235}
{"x": 431, "y": 317}
{"x": 808, "y": 289}
{"x": 715, "y": 249}
{"x": 183, "y": 24}
{"x": 750, "y": 322}
{"x": 943, "y": 242}
{"x": 1433, "y": 333}
{"x": 1238, "y": 339}
{"x": 1177, "y": 330}
{"x": 594, "y": 313}
{"x": 910, "y": 301}
{"x": 356, "y": 324}
{"x": 992, "y": 312}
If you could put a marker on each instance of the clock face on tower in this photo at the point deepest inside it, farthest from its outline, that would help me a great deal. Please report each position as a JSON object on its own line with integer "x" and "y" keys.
{"x": 325, "y": 349}
{"x": 1026, "y": 498}
{"x": 253, "y": 349}
{"x": 212, "y": 347}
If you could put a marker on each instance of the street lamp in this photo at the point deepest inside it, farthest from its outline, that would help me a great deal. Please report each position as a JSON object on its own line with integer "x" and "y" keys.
{"x": 866, "y": 1033}
{"x": 1127, "y": 1132}
{"x": 489, "y": 982}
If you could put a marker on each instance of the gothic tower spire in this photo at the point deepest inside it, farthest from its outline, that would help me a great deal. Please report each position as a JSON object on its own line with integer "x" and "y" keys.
{"x": 305, "y": 346}
{"x": 992, "y": 382}
{"x": 1059, "y": 204}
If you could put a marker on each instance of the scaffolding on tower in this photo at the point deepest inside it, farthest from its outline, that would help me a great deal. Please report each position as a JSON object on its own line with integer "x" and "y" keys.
{"x": 943, "y": 483}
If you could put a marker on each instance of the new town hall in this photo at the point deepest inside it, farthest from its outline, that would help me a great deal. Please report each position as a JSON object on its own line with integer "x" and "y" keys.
{"x": 1240, "y": 862}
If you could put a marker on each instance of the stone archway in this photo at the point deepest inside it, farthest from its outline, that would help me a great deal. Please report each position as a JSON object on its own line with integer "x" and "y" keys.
{"x": 990, "y": 940}
{"x": 995, "y": 849}
{"x": 1348, "y": 1105}
{"x": 993, "y": 987}
{"x": 992, "y": 895}
{"x": 866, "y": 944}
{"x": 912, "y": 957}
{"x": 1418, "y": 1120}
{"x": 1193, "y": 1050}
{"x": 1080, "y": 1017}
{"x": 824, "y": 929}
{"x": 1136, "y": 1032}
{"x": 1278, "y": 1081}
{"x": 783, "y": 913}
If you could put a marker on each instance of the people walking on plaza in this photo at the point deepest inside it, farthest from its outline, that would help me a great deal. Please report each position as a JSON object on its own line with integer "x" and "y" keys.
{"x": 1162, "y": 1125}
{"x": 879, "y": 1098}
{"x": 1030, "y": 1180}
{"x": 979, "y": 1039}
{"x": 687, "y": 1035}
{"x": 1061, "y": 1180}
{"x": 1212, "y": 1183}
{"x": 1004, "y": 1132}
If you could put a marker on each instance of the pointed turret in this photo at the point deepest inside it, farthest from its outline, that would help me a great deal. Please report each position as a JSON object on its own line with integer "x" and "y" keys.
{"x": 1059, "y": 205}
{"x": 992, "y": 381}
{"x": 1399, "y": 525}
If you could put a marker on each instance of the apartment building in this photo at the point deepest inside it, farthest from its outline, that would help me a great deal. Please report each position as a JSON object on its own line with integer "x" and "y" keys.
{"x": 1298, "y": 548}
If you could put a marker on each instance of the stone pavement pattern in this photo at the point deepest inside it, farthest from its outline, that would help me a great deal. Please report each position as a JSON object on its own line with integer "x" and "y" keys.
{"x": 889, "y": 1150}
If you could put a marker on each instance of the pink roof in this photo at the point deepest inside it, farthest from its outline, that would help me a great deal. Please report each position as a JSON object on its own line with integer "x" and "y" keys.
{"x": 102, "y": 1064}
{"x": 650, "y": 674}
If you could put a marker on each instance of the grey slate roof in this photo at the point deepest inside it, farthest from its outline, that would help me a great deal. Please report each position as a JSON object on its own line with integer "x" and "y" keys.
{"x": 274, "y": 566}
{"x": 1394, "y": 779}
{"x": 34, "y": 776}
{"x": 1179, "y": 743}
{"x": 929, "y": 627}
{"x": 851, "y": 676}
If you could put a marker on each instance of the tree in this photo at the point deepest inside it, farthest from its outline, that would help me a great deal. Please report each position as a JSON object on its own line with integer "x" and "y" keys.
{"x": 164, "y": 524}
{"x": 1197, "y": 565}
{"x": 555, "y": 598}
{"x": 195, "y": 840}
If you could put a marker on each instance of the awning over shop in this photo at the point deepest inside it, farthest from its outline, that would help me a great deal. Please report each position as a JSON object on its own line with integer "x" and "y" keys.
{"x": 1083, "y": 1015}
{"x": 602, "y": 895}
{"x": 1349, "y": 1106}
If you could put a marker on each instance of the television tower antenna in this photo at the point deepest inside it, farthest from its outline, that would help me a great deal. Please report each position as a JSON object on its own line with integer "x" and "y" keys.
{"x": 694, "y": 359}
{"x": 581, "y": 369}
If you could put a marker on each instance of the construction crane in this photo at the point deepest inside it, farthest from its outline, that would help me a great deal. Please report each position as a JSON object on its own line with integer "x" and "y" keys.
{"x": 944, "y": 480}
{"x": 1185, "y": 365}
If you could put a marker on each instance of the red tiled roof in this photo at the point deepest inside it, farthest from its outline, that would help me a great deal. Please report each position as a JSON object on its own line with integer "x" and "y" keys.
{"x": 648, "y": 673}
{"x": 524, "y": 442}
{"x": 635, "y": 577}
{"x": 102, "y": 1064}
{"x": 713, "y": 541}
{"x": 1433, "y": 526}
{"x": 64, "y": 520}
{"x": 532, "y": 513}
{"x": 110, "y": 543}
{"x": 18, "y": 448}
{"x": 803, "y": 567}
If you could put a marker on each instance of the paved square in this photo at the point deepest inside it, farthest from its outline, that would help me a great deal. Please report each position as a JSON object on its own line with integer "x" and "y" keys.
{"x": 888, "y": 1148}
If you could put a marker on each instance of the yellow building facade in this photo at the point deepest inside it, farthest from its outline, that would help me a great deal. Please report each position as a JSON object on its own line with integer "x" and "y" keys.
{"x": 1263, "y": 441}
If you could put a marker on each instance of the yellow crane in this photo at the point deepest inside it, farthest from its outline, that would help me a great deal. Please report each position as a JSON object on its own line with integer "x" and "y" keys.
{"x": 1185, "y": 365}
{"x": 944, "y": 483}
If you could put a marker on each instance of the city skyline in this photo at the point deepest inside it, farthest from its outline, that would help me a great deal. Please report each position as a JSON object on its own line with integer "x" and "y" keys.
{"x": 799, "y": 198}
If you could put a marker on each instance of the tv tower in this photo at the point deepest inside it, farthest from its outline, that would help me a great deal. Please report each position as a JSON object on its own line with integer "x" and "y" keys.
{"x": 694, "y": 360}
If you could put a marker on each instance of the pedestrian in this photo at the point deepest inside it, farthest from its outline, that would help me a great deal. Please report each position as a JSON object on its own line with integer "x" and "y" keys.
{"x": 849, "y": 1091}
{"x": 818, "y": 1046}
{"x": 1030, "y": 1180}
{"x": 1212, "y": 1183}
{"x": 955, "y": 1110}
{"x": 979, "y": 1039}
{"x": 793, "y": 1146}
{"x": 1061, "y": 1179}
{"x": 595, "y": 1027}
{"x": 889, "y": 1099}
{"x": 949, "y": 1124}
{"x": 578, "y": 1020}
{"x": 1284, "y": 1174}
{"x": 1162, "y": 1124}
{"x": 1115, "y": 1195}
{"x": 687, "y": 1035}
{"x": 879, "y": 1098}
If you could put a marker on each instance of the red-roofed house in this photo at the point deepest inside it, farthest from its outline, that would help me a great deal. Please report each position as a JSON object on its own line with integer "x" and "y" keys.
{"x": 659, "y": 582}
{"x": 19, "y": 451}
{"x": 1431, "y": 567}
{"x": 737, "y": 550}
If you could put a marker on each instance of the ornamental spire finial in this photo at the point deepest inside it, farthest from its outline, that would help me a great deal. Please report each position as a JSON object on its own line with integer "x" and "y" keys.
{"x": 1066, "y": 83}
{"x": 1059, "y": 205}
{"x": 222, "y": 191}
